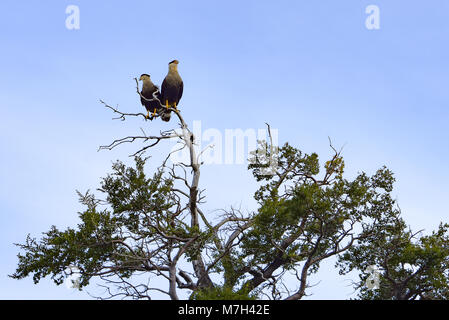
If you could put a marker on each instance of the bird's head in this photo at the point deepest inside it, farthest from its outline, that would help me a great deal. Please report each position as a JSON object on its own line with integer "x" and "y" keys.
{"x": 144, "y": 77}
{"x": 173, "y": 65}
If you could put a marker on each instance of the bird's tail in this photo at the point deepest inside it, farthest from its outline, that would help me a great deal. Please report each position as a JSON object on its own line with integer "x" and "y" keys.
{"x": 165, "y": 115}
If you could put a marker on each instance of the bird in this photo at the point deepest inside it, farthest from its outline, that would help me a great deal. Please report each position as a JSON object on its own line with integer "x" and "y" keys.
{"x": 154, "y": 106}
{"x": 172, "y": 86}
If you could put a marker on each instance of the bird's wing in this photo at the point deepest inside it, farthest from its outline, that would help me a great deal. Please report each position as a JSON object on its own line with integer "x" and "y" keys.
{"x": 163, "y": 88}
{"x": 181, "y": 89}
{"x": 142, "y": 100}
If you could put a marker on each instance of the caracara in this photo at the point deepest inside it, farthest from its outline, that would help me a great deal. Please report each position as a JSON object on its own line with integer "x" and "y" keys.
{"x": 172, "y": 86}
{"x": 148, "y": 89}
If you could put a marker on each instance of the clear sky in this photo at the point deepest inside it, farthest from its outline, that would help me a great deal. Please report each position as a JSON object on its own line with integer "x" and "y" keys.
{"x": 311, "y": 69}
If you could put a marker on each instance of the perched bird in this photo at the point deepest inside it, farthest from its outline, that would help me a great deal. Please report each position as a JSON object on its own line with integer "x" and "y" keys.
{"x": 172, "y": 86}
{"x": 148, "y": 89}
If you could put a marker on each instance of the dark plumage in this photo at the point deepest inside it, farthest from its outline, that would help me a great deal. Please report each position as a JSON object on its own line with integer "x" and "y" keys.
{"x": 172, "y": 86}
{"x": 148, "y": 89}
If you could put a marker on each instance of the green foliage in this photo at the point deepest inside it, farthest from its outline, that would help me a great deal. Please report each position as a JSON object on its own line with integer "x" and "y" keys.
{"x": 98, "y": 242}
{"x": 221, "y": 293}
{"x": 130, "y": 193}
{"x": 410, "y": 267}
{"x": 84, "y": 248}
{"x": 315, "y": 213}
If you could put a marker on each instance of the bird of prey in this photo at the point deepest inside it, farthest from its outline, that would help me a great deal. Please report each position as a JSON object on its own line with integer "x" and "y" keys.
{"x": 148, "y": 89}
{"x": 172, "y": 86}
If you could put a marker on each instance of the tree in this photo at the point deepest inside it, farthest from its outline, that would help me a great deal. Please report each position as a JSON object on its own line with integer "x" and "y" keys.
{"x": 150, "y": 225}
{"x": 409, "y": 267}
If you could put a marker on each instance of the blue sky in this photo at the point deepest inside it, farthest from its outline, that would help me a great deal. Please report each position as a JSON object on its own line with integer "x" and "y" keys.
{"x": 309, "y": 68}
